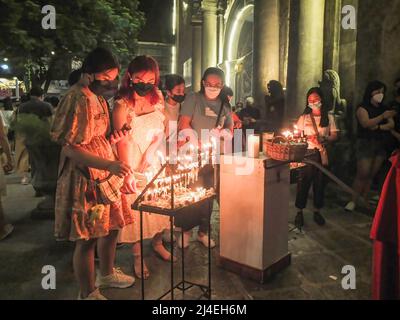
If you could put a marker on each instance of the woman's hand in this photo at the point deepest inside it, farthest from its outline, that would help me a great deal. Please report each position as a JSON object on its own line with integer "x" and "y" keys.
{"x": 389, "y": 114}
{"x": 118, "y": 135}
{"x": 129, "y": 184}
{"x": 237, "y": 125}
{"x": 119, "y": 168}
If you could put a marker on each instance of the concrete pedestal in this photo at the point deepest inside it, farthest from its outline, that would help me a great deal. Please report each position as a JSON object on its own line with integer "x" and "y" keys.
{"x": 254, "y": 216}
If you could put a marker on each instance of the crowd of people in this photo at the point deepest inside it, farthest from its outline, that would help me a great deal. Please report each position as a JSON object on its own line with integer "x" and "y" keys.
{"x": 110, "y": 130}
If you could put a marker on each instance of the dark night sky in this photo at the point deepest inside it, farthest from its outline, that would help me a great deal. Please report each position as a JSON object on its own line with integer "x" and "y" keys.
{"x": 158, "y": 26}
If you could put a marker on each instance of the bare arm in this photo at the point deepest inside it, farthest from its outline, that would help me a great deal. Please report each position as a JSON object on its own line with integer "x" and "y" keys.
{"x": 83, "y": 157}
{"x": 372, "y": 124}
{"x": 4, "y": 143}
{"x": 395, "y": 134}
{"x": 388, "y": 126}
{"x": 124, "y": 147}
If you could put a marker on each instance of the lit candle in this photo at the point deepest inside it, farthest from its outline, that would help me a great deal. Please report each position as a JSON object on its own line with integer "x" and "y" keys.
{"x": 253, "y": 146}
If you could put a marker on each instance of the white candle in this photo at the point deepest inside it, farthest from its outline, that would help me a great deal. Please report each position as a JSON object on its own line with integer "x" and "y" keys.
{"x": 253, "y": 146}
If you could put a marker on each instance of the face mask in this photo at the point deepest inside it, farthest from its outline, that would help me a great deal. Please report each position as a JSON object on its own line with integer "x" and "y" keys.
{"x": 378, "y": 98}
{"x": 212, "y": 93}
{"x": 315, "y": 106}
{"x": 143, "y": 89}
{"x": 178, "y": 98}
{"x": 104, "y": 88}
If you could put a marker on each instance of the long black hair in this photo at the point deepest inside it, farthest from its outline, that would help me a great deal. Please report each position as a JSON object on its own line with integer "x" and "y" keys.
{"x": 324, "y": 112}
{"x": 276, "y": 89}
{"x": 371, "y": 87}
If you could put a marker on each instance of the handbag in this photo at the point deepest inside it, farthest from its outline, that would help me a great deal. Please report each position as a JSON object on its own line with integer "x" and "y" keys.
{"x": 103, "y": 191}
{"x": 322, "y": 150}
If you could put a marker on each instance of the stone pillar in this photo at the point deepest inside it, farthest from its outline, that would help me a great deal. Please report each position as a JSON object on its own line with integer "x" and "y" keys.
{"x": 209, "y": 39}
{"x": 307, "y": 49}
{"x": 266, "y": 47}
{"x": 332, "y": 26}
{"x": 348, "y": 68}
{"x": 196, "y": 46}
{"x": 221, "y": 30}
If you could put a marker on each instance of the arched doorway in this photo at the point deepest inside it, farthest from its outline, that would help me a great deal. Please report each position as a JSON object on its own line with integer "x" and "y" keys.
{"x": 238, "y": 49}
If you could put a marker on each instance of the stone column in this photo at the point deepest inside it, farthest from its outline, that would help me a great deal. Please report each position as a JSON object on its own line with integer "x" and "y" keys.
{"x": 308, "y": 48}
{"x": 221, "y": 29}
{"x": 348, "y": 67}
{"x": 209, "y": 40}
{"x": 332, "y": 26}
{"x": 266, "y": 47}
{"x": 196, "y": 46}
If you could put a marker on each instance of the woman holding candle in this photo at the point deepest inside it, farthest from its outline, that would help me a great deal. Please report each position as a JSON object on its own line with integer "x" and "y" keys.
{"x": 203, "y": 112}
{"x": 81, "y": 125}
{"x": 140, "y": 105}
{"x": 320, "y": 129}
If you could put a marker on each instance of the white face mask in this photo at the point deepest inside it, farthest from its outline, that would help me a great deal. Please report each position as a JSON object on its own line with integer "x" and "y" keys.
{"x": 212, "y": 93}
{"x": 378, "y": 98}
{"x": 315, "y": 106}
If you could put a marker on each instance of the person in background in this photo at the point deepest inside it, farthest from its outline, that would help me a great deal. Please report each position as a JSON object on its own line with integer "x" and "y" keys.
{"x": 44, "y": 111}
{"x": 140, "y": 105}
{"x": 250, "y": 115}
{"x": 275, "y": 106}
{"x": 7, "y": 113}
{"x": 375, "y": 122}
{"x": 5, "y": 228}
{"x": 74, "y": 77}
{"x": 175, "y": 90}
{"x": 203, "y": 110}
{"x": 320, "y": 129}
{"x": 82, "y": 127}
{"x": 228, "y": 93}
{"x": 385, "y": 233}
{"x": 395, "y": 105}
{"x": 53, "y": 101}
{"x": 36, "y": 105}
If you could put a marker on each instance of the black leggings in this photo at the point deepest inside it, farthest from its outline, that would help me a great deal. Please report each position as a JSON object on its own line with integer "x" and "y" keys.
{"x": 310, "y": 175}
{"x": 198, "y": 214}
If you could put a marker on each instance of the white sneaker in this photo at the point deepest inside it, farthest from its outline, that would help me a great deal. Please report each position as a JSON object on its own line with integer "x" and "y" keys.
{"x": 117, "y": 279}
{"x": 25, "y": 181}
{"x": 350, "y": 206}
{"x": 167, "y": 236}
{"x": 95, "y": 295}
{"x": 186, "y": 239}
{"x": 204, "y": 241}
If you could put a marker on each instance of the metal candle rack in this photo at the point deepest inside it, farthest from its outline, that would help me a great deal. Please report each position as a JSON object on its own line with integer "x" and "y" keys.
{"x": 171, "y": 170}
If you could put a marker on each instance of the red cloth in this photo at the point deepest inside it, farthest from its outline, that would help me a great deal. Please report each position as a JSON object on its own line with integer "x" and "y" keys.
{"x": 386, "y": 236}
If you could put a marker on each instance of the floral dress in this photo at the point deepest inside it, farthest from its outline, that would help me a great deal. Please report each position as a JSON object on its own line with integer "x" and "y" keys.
{"x": 82, "y": 119}
{"x": 144, "y": 128}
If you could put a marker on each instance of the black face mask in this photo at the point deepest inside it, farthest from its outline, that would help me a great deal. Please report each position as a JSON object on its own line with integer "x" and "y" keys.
{"x": 104, "y": 88}
{"x": 143, "y": 89}
{"x": 178, "y": 98}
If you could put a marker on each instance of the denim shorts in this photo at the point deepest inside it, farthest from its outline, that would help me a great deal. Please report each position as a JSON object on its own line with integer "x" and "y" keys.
{"x": 370, "y": 148}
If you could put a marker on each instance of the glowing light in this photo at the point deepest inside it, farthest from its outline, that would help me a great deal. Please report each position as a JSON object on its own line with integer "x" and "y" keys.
{"x": 4, "y": 66}
{"x": 174, "y": 19}
{"x": 5, "y": 59}
{"x": 53, "y": 53}
{"x": 231, "y": 39}
{"x": 173, "y": 61}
